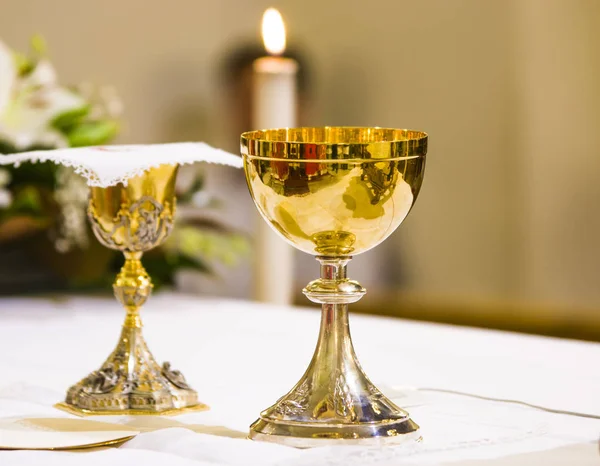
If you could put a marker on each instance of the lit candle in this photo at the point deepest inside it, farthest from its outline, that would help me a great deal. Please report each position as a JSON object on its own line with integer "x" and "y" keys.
{"x": 274, "y": 106}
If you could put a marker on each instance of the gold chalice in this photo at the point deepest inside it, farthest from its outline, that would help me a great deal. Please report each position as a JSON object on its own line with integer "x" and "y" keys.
{"x": 133, "y": 218}
{"x": 334, "y": 193}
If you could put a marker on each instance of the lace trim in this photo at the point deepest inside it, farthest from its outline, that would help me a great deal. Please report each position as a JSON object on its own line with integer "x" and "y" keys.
{"x": 189, "y": 153}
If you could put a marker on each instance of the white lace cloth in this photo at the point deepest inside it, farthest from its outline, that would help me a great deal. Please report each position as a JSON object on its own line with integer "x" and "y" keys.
{"x": 109, "y": 165}
{"x": 242, "y": 356}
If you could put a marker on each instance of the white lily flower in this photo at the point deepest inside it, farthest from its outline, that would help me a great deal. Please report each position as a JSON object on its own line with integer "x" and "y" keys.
{"x": 33, "y": 102}
{"x": 44, "y": 75}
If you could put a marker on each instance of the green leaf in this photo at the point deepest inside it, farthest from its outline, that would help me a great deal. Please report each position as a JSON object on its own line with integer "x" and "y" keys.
{"x": 192, "y": 263}
{"x": 7, "y": 148}
{"x": 189, "y": 241}
{"x": 92, "y": 133}
{"x": 162, "y": 266}
{"x": 23, "y": 64}
{"x": 38, "y": 44}
{"x": 66, "y": 122}
{"x": 39, "y": 174}
{"x": 27, "y": 200}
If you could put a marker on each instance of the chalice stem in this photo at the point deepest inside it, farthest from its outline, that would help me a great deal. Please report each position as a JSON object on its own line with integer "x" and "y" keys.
{"x": 132, "y": 287}
{"x": 334, "y": 352}
{"x": 334, "y": 356}
{"x": 334, "y": 369}
{"x": 130, "y": 380}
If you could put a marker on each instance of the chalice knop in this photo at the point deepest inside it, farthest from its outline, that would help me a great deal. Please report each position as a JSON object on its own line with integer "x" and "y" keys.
{"x": 334, "y": 193}
{"x": 133, "y": 218}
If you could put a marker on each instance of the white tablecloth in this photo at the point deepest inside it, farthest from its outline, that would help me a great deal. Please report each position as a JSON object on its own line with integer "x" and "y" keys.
{"x": 242, "y": 356}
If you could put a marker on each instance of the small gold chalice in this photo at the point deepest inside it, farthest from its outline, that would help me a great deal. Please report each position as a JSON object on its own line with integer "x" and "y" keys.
{"x": 334, "y": 193}
{"x": 133, "y": 218}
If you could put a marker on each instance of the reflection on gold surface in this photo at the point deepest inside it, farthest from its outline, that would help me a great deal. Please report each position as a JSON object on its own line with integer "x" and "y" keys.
{"x": 334, "y": 191}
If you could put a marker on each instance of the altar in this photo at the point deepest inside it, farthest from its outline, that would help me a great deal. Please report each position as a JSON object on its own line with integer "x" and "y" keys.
{"x": 241, "y": 356}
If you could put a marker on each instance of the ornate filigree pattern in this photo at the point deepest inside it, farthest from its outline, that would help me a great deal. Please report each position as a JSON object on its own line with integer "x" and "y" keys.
{"x": 295, "y": 402}
{"x": 136, "y": 227}
{"x": 341, "y": 398}
{"x": 174, "y": 376}
{"x": 133, "y": 284}
{"x": 132, "y": 383}
{"x": 101, "y": 381}
{"x": 336, "y": 400}
{"x": 131, "y": 296}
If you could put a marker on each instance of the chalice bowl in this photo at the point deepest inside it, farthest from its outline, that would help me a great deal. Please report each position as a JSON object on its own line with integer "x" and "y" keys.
{"x": 133, "y": 218}
{"x": 334, "y": 192}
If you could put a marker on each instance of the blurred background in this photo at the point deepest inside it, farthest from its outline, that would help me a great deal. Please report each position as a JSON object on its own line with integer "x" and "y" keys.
{"x": 505, "y": 232}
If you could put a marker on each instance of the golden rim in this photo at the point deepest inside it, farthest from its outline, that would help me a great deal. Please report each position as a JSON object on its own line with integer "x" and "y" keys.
{"x": 334, "y": 144}
{"x": 348, "y": 161}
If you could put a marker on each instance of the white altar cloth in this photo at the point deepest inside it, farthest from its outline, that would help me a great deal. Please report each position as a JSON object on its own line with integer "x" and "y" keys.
{"x": 242, "y": 356}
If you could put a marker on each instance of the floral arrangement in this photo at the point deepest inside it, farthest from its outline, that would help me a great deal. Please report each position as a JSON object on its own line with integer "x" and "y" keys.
{"x": 43, "y": 206}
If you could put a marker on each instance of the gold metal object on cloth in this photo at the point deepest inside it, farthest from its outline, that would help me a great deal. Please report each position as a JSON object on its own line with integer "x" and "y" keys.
{"x": 334, "y": 192}
{"x": 89, "y": 446}
{"x": 133, "y": 219}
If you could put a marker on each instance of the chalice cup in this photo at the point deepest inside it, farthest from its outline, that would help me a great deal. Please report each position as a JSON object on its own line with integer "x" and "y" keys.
{"x": 133, "y": 218}
{"x": 334, "y": 192}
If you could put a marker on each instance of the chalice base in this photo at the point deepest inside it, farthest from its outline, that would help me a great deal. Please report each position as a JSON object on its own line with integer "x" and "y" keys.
{"x": 334, "y": 406}
{"x": 311, "y": 436}
{"x": 334, "y": 402}
{"x": 131, "y": 382}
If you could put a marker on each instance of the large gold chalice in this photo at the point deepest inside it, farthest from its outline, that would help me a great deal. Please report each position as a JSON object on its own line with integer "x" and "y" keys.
{"x": 133, "y": 218}
{"x": 334, "y": 193}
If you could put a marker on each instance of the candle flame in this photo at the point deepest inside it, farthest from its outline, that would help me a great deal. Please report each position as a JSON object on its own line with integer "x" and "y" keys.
{"x": 273, "y": 32}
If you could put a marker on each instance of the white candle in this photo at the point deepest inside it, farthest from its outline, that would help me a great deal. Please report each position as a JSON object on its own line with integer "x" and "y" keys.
{"x": 274, "y": 93}
{"x": 274, "y": 106}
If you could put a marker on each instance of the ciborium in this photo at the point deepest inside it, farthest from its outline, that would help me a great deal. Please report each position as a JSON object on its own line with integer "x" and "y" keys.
{"x": 133, "y": 218}
{"x": 334, "y": 193}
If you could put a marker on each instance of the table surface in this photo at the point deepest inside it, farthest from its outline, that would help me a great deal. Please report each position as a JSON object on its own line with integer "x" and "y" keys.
{"x": 242, "y": 356}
